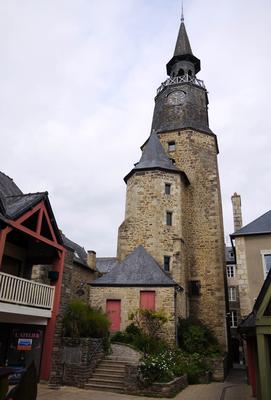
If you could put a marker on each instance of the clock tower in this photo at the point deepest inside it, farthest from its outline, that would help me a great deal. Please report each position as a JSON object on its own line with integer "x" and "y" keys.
{"x": 173, "y": 199}
{"x": 182, "y": 100}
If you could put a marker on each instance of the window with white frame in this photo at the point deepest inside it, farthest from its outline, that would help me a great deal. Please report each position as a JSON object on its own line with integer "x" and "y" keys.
{"x": 232, "y": 293}
{"x": 231, "y": 271}
{"x": 266, "y": 259}
{"x": 233, "y": 319}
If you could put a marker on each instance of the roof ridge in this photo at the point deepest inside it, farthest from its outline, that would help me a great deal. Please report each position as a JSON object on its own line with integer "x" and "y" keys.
{"x": 25, "y": 194}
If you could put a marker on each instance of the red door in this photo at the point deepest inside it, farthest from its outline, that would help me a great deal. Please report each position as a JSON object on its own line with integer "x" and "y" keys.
{"x": 113, "y": 313}
{"x": 147, "y": 300}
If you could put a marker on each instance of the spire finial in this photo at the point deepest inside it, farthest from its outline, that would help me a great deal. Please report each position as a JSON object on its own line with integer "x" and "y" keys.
{"x": 182, "y": 17}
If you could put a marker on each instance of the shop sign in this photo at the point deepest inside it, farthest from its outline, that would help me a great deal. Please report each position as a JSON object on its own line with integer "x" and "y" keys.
{"x": 24, "y": 344}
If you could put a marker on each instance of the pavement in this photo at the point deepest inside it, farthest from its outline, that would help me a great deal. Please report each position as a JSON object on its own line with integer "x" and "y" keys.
{"x": 234, "y": 388}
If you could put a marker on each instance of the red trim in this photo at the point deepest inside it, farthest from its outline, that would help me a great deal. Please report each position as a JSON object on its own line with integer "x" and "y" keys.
{"x": 49, "y": 223}
{"x": 29, "y": 213}
{"x": 3, "y": 236}
{"x": 22, "y": 228}
{"x": 251, "y": 368}
{"x": 38, "y": 229}
{"x": 50, "y": 328}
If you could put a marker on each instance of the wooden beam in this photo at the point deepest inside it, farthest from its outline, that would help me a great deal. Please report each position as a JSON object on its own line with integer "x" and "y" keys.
{"x": 3, "y": 236}
{"x": 46, "y": 361}
{"x": 29, "y": 213}
{"x": 39, "y": 221}
{"x": 49, "y": 223}
{"x": 35, "y": 235}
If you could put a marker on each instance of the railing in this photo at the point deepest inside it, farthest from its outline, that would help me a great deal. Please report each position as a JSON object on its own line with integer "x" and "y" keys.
{"x": 181, "y": 79}
{"x": 21, "y": 291}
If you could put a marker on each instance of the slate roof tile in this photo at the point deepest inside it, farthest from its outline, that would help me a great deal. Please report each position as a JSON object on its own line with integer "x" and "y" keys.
{"x": 260, "y": 225}
{"x": 105, "y": 264}
{"x": 138, "y": 269}
{"x": 7, "y": 186}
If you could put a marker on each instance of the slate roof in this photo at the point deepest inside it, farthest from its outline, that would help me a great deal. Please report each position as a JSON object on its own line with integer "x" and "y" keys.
{"x": 105, "y": 264}
{"x": 154, "y": 157}
{"x": 183, "y": 51}
{"x": 13, "y": 203}
{"x": 261, "y": 225}
{"x": 80, "y": 254}
{"x": 182, "y": 44}
{"x": 138, "y": 269}
{"x": 17, "y": 205}
{"x": 7, "y": 186}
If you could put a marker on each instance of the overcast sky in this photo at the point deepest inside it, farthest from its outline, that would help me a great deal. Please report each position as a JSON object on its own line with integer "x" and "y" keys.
{"x": 77, "y": 83}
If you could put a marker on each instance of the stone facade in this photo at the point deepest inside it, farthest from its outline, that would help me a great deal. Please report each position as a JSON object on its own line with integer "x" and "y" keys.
{"x": 145, "y": 219}
{"x": 195, "y": 240}
{"x": 72, "y": 274}
{"x": 196, "y": 155}
{"x": 80, "y": 358}
{"x": 130, "y": 302}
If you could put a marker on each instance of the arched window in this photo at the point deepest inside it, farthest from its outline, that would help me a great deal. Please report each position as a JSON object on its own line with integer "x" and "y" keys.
{"x": 181, "y": 72}
{"x": 189, "y": 72}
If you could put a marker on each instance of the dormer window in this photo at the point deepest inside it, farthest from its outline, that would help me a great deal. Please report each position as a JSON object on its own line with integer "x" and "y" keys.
{"x": 171, "y": 145}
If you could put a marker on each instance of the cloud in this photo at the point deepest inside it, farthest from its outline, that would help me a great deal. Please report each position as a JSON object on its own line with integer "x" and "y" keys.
{"x": 78, "y": 80}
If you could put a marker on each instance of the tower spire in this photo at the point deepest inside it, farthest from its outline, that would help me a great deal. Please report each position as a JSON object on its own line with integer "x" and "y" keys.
{"x": 183, "y": 51}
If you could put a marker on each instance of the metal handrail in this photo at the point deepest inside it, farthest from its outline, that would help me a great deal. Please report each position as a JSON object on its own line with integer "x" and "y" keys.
{"x": 181, "y": 79}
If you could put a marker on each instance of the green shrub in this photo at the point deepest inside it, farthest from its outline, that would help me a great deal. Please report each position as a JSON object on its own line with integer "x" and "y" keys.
{"x": 133, "y": 330}
{"x": 149, "y": 322}
{"x": 121, "y": 337}
{"x": 195, "y": 337}
{"x": 80, "y": 320}
{"x": 171, "y": 363}
{"x": 158, "y": 368}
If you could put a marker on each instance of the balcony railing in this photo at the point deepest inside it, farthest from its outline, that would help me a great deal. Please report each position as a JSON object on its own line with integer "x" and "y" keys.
{"x": 181, "y": 79}
{"x": 21, "y": 291}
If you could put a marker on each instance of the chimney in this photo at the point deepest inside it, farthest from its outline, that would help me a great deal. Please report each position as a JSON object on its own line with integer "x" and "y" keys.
{"x": 237, "y": 212}
{"x": 91, "y": 260}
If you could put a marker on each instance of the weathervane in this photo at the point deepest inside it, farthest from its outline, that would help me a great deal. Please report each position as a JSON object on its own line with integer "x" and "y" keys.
{"x": 182, "y": 17}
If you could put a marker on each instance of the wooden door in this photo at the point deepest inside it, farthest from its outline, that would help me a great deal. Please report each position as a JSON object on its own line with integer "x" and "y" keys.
{"x": 147, "y": 299}
{"x": 113, "y": 312}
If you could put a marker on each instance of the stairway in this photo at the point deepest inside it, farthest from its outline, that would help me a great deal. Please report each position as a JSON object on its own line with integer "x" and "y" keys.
{"x": 110, "y": 373}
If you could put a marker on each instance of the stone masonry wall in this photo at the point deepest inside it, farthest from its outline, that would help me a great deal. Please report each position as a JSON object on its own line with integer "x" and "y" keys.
{"x": 72, "y": 272}
{"x": 145, "y": 219}
{"x": 196, "y": 155}
{"x": 242, "y": 277}
{"x": 130, "y": 298}
{"x": 81, "y": 276}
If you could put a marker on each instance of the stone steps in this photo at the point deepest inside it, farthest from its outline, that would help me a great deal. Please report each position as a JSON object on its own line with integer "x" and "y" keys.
{"x": 108, "y": 376}
{"x": 110, "y": 373}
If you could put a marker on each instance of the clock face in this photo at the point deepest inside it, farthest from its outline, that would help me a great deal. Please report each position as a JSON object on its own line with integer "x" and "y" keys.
{"x": 175, "y": 98}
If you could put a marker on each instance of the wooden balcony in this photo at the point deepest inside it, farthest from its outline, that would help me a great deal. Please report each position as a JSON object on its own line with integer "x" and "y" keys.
{"x": 26, "y": 293}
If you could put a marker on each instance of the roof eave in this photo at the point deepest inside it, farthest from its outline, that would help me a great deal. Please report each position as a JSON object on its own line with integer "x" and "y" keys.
{"x": 133, "y": 284}
{"x": 233, "y": 235}
{"x": 133, "y": 171}
{"x": 184, "y": 57}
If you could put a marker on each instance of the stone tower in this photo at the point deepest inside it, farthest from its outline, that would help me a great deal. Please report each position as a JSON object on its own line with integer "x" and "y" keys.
{"x": 173, "y": 201}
